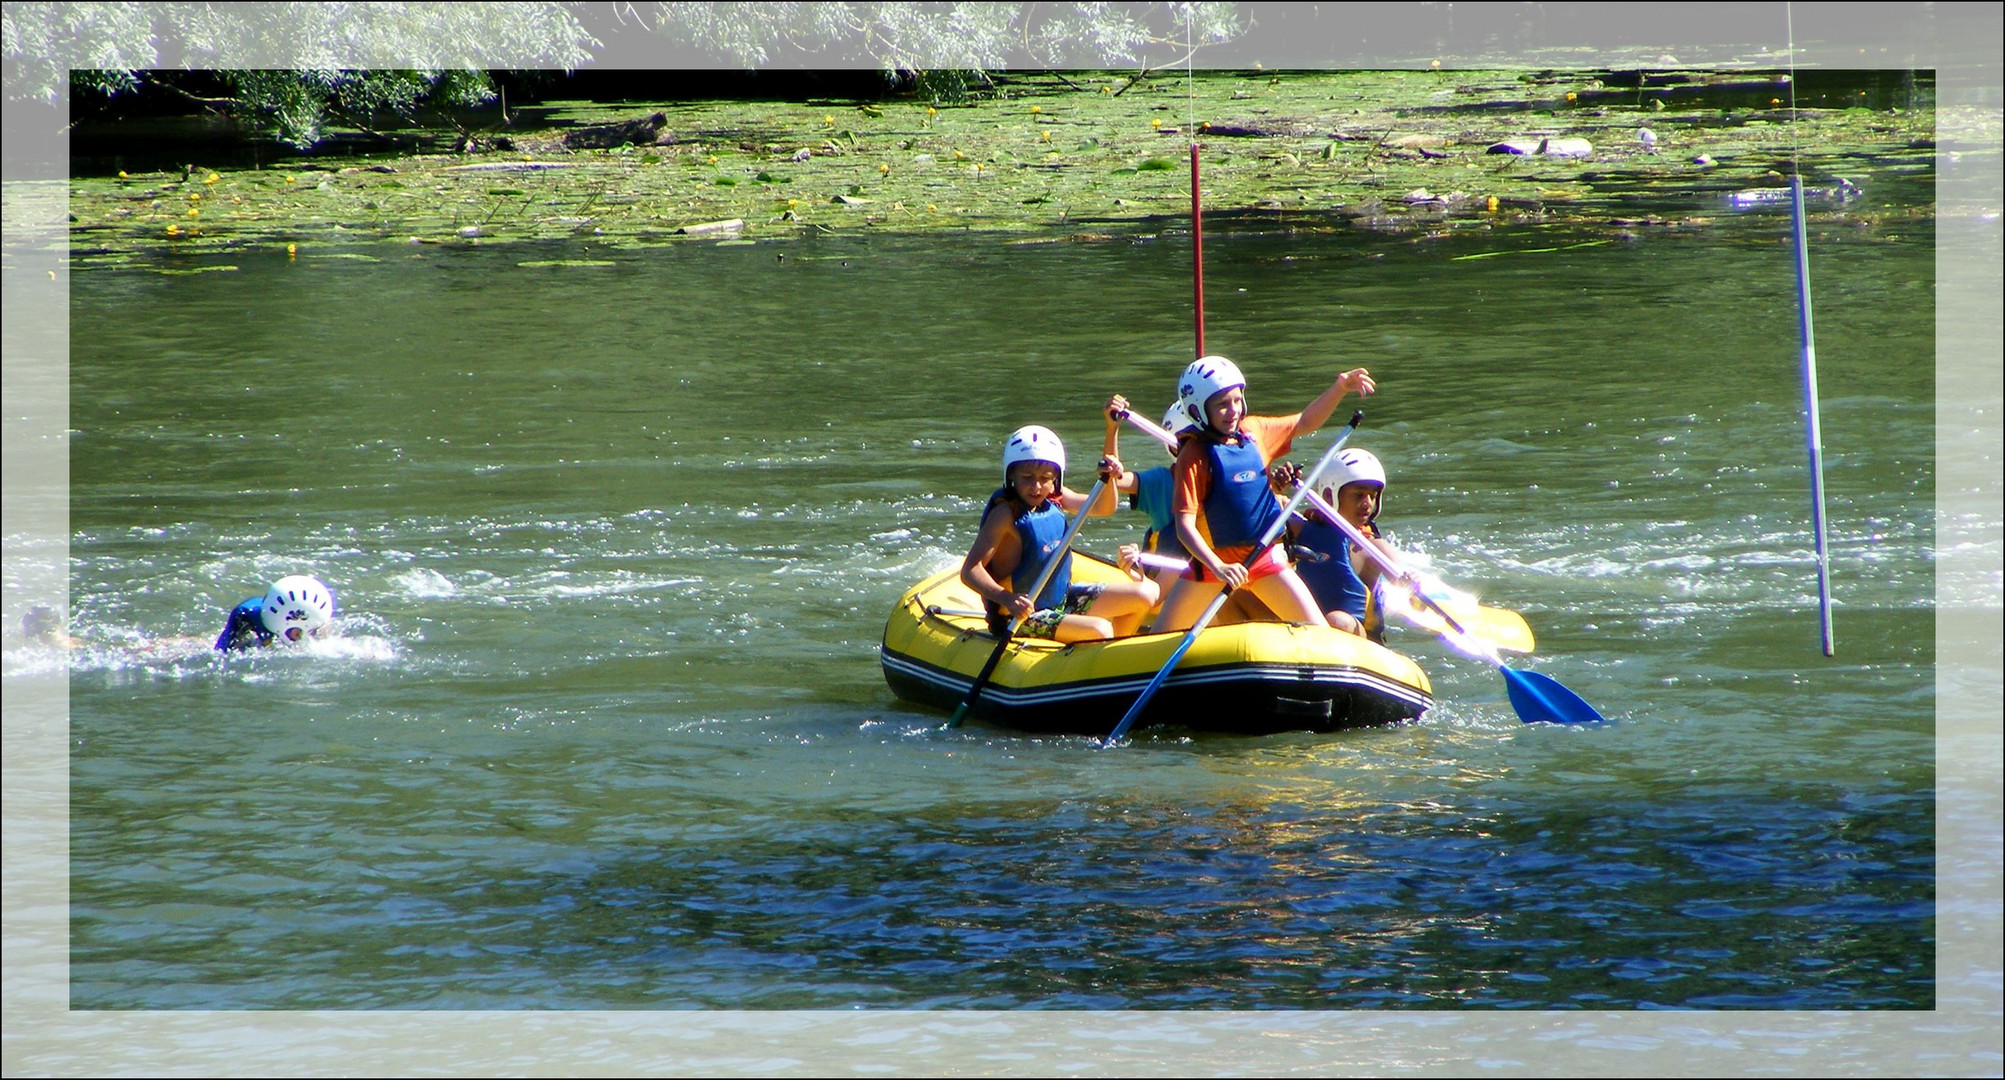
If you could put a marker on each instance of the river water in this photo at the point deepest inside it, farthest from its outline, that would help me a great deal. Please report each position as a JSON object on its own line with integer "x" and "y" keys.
{"x": 614, "y": 534}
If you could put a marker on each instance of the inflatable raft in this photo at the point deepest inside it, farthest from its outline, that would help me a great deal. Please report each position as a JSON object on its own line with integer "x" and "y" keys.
{"x": 1248, "y": 679}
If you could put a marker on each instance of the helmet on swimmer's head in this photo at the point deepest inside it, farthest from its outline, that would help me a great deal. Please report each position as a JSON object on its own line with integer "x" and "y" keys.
{"x": 1034, "y": 442}
{"x": 1205, "y": 376}
{"x": 297, "y": 603}
{"x": 1353, "y": 466}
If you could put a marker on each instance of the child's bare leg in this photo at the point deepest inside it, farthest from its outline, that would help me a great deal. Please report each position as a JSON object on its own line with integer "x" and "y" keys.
{"x": 1124, "y": 604}
{"x": 1345, "y": 621}
{"x": 1289, "y": 599}
{"x": 1074, "y": 628}
{"x": 1246, "y": 607}
{"x": 1186, "y": 601}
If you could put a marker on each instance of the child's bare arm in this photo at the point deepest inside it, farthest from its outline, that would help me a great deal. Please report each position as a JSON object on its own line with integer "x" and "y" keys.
{"x": 1233, "y": 574}
{"x": 1110, "y": 471}
{"x": 1355, "y": 381}
{"x": 996, "y": 531}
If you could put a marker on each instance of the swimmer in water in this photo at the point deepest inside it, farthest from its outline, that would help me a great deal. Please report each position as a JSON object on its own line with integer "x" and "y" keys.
{"x": 294, "y": 609}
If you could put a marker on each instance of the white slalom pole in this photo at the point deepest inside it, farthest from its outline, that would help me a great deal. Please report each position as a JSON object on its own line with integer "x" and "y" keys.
{"x": 1814, "y": 428}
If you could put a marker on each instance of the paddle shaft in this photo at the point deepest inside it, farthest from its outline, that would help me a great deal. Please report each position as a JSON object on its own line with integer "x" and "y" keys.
{"x": 1260, "y": 546}
{"x": 1002, "y": 645}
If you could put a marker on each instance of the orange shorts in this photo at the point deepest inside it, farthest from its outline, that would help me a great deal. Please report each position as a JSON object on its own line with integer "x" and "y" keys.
{"x": 1271, "y": 562}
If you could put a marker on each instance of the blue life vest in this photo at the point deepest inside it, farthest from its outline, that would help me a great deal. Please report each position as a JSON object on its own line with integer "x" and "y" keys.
{"x": 246, "y": 626}
{"x": 1334, "y": 582}
{"x": 1038, "y": 532}
{"x": 1240, "y": 507}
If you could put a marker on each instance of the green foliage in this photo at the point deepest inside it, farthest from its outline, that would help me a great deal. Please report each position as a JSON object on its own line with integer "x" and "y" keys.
{"x": 970, "y": 39}
{"x": 290, "y": 65}
{"x": 298, "y": 104}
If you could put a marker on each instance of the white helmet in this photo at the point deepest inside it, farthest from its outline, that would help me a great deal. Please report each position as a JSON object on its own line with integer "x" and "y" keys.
{"x": 1353, "y": 466}
{"x": 297, "y": 602}
{"x": 1033, "y": 442}
{"x": 1176, "y": 421}
{"x": 1205, "y": 376}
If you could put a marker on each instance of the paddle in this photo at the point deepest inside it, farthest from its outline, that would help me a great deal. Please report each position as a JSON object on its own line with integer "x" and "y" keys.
{"x": 1009, "y": 632}
{"x": 1260, "y": 546}
{"x": 1537, "y": 698}
{"x": 1501, "y": 627}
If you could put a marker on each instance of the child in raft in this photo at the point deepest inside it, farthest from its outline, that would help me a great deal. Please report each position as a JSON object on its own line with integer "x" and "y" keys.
{"x": 1221, "y": 472}
{"x": 1022, "y": 526}
{"x": 1345, "y": 585}
{"x": 1151, "y": 491}
{"x": 294, "y": 609}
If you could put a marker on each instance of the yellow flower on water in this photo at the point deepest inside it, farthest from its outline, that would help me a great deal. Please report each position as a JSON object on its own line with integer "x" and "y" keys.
{"x": 1491, "y": 205}
{"x": 793, "y": 202}
{"x": 194, "y": 196}
{"x": 929, "y": 206}
{"x": 1044, "y": 136}
{"x": 882, "y": 168}
{"x": 958, "y": 156}
{"x": 978, "y": 166}
{"x": 1570, "y": 95}
{"x": 713, "y": 159}
{"x": 174, "y": 230}
{"x": 828, "y": 121}
{"x": 1035, "y": 109}
{"x": 192, "y": 212}
{"x": 122, "y": 175}
{"x": 1106, "y": 89}
{"x": 292, "y": 251}
{"x": 288, "y": 179}
{"x": 1156, "y": 123}
{"x": 211, "y": 178}
{"x": 931, "y": 111}
{"x": 1775, "y": 101}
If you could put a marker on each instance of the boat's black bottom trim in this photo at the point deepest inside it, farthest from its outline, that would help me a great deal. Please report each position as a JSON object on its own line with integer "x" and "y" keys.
{"x": 1243, "y": 699}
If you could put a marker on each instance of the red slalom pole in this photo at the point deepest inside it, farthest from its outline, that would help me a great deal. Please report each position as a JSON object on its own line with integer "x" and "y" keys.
{"x": 1197, "y": 250}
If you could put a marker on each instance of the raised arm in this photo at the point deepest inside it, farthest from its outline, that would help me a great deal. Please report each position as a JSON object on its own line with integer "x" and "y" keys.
{"x": 1355, "y": 381}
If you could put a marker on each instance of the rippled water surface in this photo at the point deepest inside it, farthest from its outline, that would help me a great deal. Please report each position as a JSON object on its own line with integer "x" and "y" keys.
{"x": 614, "y": 545}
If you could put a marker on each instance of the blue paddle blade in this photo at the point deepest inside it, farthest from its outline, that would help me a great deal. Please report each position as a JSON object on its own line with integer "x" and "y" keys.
{"x": 1541, "y": 700}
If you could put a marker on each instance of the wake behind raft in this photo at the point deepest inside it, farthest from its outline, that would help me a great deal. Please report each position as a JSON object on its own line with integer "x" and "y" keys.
{"x": 1255, "y": 678}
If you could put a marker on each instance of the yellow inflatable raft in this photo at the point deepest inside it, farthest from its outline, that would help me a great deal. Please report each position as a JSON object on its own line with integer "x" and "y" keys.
{"x": 1250, "y": 679}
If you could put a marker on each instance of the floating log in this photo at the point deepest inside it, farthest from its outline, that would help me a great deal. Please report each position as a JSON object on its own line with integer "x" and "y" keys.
{"x": 642, "y": 132}
{"x": 711, "y": 227}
